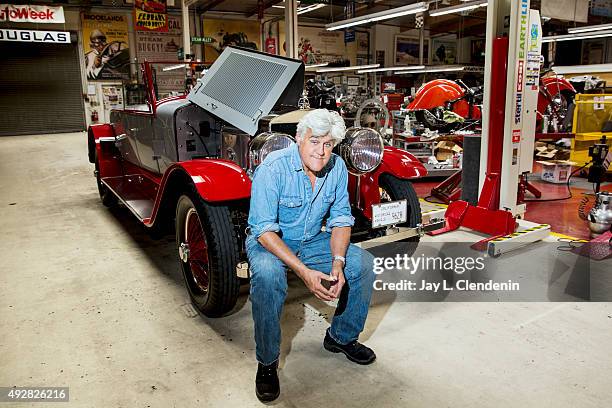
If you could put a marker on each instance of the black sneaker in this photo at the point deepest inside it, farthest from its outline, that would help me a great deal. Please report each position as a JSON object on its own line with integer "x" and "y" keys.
{"x": 354, "y": 351}
{"x": 267, "y": 387}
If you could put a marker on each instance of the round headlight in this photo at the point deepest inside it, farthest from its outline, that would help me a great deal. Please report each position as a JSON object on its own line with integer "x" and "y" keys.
{"x": 264, "y": 144}
{"x": 362, "y": 150}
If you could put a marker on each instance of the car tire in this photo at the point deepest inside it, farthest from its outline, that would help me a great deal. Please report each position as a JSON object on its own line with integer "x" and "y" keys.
{"x": 208, "y": 254}
{"x": 109, "y": 199}
{"x": 399, "y": 189}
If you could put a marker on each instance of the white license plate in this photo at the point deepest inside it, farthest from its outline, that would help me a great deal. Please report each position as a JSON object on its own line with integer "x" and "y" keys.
{"x": 393, "y": 212}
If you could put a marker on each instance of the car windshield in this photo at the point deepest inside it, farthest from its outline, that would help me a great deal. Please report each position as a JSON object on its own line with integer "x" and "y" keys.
{"x": 168, "y": 79}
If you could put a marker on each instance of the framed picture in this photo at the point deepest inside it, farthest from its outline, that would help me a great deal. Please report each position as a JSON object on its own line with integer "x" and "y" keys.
{"x": 406, "y": 50}
{"x": 444, "y": 51}
{"x": 353, "y": 81}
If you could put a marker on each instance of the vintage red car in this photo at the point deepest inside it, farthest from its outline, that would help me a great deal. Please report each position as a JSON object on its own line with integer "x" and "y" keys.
{"x": 184, "y": 163}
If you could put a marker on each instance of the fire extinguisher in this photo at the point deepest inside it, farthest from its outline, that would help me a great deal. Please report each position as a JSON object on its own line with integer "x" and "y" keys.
{"x": 271, "y": 45}
{"x": 94, "y": 115}
{"x": 271, "y": 42}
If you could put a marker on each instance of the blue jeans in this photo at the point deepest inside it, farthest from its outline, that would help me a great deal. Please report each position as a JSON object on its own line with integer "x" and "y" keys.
{"x": 269, "y": 289}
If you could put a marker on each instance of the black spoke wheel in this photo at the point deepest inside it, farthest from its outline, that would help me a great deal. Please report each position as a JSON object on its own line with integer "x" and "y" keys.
{"x": 207, "y": 246}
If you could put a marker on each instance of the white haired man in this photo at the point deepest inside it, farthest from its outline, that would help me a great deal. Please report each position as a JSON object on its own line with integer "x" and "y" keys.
{"x": 294, "y": 191}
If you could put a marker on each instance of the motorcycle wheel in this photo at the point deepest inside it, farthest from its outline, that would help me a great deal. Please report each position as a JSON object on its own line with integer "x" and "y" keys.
{"x": 567, "y": 105}
{"x": 432, "y": 119}
{"x": 207, "y": 244}
{"x": 562, "y": 107}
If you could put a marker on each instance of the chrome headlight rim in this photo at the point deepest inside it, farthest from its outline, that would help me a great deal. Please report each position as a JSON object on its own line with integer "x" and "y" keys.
{"x": 259, "y": 147}
{"x": 347, "y": 150}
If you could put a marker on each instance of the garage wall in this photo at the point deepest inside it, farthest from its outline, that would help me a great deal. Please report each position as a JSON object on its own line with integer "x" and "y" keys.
{"x": 41, "y": 83}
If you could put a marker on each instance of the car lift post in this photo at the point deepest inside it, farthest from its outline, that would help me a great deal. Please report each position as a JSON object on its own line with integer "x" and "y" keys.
{"x": 508, "y": 131}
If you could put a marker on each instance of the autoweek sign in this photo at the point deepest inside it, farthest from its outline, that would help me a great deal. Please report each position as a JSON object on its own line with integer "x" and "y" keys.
{"x": 54, "y": 37}
{"x": 31, "y": 14}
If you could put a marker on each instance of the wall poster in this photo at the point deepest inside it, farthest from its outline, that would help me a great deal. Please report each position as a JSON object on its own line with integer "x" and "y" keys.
{"x": 242, "y": 33}
{"x": 444, "y": 51}
{"x": 163, "y": 46}
{"x": 407, "y": 50}
{"x": 150, "y": 15}
{"x": 105, "y": 45}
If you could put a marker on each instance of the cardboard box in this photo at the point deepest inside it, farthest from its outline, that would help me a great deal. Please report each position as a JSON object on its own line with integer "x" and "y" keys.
{"x": 556, "y": 171}
{"x": 548, "y": 153}
{"x": 446, "y": 149}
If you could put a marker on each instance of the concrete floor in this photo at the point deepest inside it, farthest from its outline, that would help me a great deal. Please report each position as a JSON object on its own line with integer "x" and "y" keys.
{"x": 91, "y": 302}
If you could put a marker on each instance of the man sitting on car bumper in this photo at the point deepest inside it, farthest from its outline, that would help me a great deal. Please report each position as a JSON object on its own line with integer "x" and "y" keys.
{"x": 294, "y": 190}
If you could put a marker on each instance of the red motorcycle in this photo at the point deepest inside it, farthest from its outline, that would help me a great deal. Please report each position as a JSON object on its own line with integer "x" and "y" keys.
{"x": 436, "y": 98}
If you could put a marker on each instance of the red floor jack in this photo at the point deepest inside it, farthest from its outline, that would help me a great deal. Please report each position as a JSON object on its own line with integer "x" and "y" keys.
{"x": 449, "y": 190}
{"x": 485, "y": 217}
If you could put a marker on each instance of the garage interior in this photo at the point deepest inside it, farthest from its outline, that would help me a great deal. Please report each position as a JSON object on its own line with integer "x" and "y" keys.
{"x": 93, "y": 301}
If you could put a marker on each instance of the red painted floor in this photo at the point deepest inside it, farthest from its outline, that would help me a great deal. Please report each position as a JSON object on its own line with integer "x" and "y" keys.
{"x": 561, "y": 215}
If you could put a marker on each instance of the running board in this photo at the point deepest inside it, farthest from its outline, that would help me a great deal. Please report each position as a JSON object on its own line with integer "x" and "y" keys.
{"x": 128, "y": 191}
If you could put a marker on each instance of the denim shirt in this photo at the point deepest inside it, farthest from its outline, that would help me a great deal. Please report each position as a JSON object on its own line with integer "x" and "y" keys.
{"x": 283, "y": 200}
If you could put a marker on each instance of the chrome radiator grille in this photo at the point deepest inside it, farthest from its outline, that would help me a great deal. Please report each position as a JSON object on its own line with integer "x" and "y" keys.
{"x": 244, "y": 83}
{"x": 243, "y": 86}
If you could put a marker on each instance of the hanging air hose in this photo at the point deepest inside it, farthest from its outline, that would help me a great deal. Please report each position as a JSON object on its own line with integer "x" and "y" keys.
{"x": 569, "y": 190}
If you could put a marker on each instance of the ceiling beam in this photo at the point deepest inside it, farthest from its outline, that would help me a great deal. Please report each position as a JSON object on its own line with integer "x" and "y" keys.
{"x": 210, "y": 5}
{"x": 266, "y": 5}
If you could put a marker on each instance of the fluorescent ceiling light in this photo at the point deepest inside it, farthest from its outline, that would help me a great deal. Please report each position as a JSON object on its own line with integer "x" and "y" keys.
{"x": 577, "y": 36}
{"x": 308, "y": 9}
{"x": 173, "y": 67}
{"x": 381, "y": 15}
{"x": 282, "y": 4}
{"x": 461, "y": 7}
{"x": 302, "y": 10}
{"x": 324, "y": 64}
{"x": 589, "y": 28}
{"x": 404, "y": 68}
{"x": 583, "y": 69}
{"x": 352, "y": 68}
{"x": 433, "y": 69}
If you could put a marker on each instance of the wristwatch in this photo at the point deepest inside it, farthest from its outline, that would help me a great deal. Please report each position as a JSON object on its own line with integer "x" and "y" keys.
{"x": 339, "y": 258}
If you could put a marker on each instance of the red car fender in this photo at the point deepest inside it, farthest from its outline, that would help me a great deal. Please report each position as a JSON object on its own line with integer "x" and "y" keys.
{"x": 396, "y": 162}
{"x": 94, "y": 132}
{"x": 216, "y": 179}
{"x": 553, "y": 85}
{"x": 435, "y": 93}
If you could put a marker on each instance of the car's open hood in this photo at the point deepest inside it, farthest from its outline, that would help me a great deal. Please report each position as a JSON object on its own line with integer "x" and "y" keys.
{"x": 244, "y": 85}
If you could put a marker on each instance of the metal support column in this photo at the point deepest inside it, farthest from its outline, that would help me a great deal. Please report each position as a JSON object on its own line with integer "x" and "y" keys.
{"x": 522, "y": 27}
{"x": 291, "y": 28}
{"x": 186, "y": 30}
